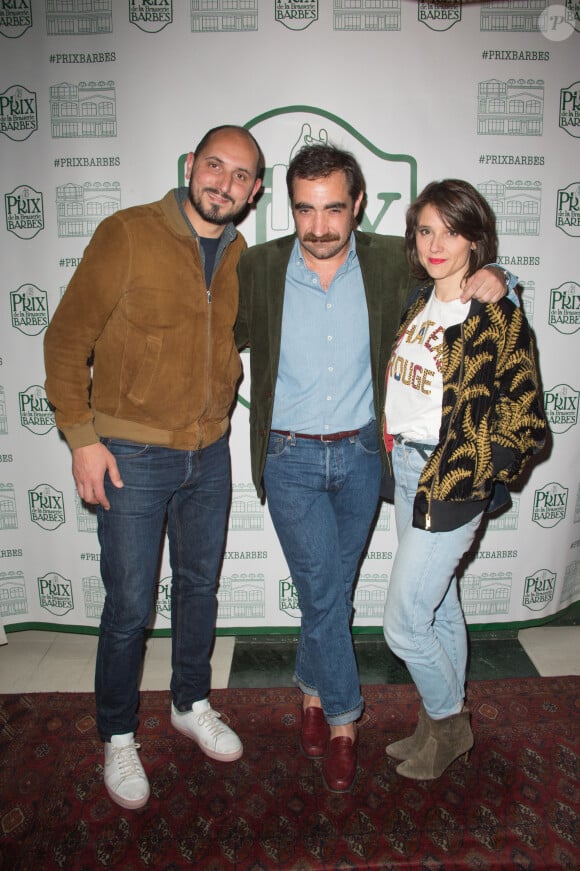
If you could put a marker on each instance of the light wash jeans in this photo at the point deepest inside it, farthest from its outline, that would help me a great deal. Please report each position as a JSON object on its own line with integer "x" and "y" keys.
{"x": 191, "y": 491}
{"x": 322, "y": 498}
{"x": 423, "y": 620}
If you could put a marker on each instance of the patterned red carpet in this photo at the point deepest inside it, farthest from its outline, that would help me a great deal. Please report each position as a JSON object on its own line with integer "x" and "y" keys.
{"x": 514, "y": 805}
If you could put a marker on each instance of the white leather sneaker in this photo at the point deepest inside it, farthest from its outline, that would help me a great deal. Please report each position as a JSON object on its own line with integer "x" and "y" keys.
{"x": 125, "y": 779}
{"x": 203, "y": 725}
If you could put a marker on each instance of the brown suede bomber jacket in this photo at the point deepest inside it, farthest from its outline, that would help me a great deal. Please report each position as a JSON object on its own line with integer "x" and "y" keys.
{"x": 161, "y": 345}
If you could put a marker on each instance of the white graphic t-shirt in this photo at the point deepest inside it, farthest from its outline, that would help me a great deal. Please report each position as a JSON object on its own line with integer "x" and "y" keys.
{"x": 414, "y": 379}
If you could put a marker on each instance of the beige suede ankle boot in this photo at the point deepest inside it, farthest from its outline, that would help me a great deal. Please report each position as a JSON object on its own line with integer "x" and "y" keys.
{"x": 407, "y": 747}
{"x": 447, "y": 740}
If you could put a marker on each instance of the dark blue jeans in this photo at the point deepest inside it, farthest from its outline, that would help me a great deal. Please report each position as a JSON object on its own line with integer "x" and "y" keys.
{"x": 322, "y": 498}
{"x": 191, "y": 491}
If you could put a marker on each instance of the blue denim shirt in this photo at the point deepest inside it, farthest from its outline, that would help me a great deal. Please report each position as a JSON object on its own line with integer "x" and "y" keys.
{"x": 324, "y": 376}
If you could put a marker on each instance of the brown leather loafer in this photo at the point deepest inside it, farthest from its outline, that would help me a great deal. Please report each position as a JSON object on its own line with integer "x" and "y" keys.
{"x": 315, "y": 733}
{"x": 339, "y": 766}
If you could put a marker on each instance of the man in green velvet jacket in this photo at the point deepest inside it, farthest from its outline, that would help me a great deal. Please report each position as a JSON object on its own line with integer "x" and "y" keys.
{"x": 319, "y": 310}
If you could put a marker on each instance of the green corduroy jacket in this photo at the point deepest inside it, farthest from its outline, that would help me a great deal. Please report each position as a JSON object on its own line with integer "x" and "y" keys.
{"x": 262, "y": 274}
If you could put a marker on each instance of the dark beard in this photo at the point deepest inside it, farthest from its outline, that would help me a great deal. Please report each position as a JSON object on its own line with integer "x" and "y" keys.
{"x": 212, "y": 215}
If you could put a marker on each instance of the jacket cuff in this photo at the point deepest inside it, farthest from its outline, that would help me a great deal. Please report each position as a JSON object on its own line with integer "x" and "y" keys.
{"x": 81, "y": 436}
{"x": 511, "y": 281}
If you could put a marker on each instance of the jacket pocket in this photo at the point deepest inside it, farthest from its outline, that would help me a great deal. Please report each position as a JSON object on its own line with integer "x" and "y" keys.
{"x": 146, "y": 373}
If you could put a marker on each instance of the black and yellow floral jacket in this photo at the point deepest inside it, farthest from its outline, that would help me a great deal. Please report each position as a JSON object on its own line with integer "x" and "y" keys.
{"x": 492, "y": 419}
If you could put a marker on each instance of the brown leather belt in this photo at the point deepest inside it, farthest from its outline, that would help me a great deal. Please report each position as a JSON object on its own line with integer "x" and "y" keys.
{"x": 329, "y": 437}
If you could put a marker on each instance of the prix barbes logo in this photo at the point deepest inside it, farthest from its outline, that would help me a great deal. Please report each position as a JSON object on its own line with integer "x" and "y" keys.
{"x": 296, "y": 14}
{"x": 36, "y": 412}
{"x": 55, "y": 594}
{"x": 539, "y": 590}
{"x": 18, "y": 113}
{"x": 570, "y": 109}
{"x": 46, "y": 507}
{"x": 550, "y": 503}
{"x": 151, "y": 16}
{"x": 288, "y": 598}
{"x": 568, "y": 209}
{"x": 564, "y": 313}
{"x": 439, "y": 14}
{"x": 163, "y": 598}
{"x": 29, "y": 309}
{"x": 561, "y": 406}
{"x": 15, "y": 17}
{"x": 24, "y": 210}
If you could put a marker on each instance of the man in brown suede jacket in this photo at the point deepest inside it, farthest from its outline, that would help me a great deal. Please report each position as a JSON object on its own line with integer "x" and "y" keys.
{"x": 151, "y": 308}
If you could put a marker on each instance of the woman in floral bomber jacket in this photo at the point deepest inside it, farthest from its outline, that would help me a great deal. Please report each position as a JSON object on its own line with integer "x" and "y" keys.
{"x": 463, "y": 417}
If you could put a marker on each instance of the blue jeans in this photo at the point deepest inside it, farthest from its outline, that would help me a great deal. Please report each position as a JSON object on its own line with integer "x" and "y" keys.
{"x": 323, "y": 497}
{"x": 423, "y": 620}
{"x": 190, "y": 490}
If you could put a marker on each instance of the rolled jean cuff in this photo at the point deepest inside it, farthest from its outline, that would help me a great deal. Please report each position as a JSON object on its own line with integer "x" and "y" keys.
{"x": 332, "y": 719}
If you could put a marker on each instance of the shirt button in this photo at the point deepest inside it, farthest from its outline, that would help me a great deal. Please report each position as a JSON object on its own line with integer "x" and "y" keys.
{"x": 331, "y": 368}
{"x": 329, "y": 338}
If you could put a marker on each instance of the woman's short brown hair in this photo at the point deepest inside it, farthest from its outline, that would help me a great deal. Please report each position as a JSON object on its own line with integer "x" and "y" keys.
{"x": 465, "y": 211}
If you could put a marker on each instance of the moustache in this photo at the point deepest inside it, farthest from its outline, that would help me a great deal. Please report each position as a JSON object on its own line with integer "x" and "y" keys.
{"x": 327, "y": 237}
{"x": 219, "y": 194}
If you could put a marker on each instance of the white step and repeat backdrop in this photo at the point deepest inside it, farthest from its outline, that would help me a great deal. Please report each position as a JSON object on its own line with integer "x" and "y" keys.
{"x": 100, "y": 101}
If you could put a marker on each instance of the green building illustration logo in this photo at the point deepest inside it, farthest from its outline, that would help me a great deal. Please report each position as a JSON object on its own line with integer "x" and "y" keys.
{"x": 242, "y": 597}
{"x": 367, "y": 15}
{"x": 87, "y": 110}
{"x": 80, "y": 208}
{"x": 86, "y": 515}
{"x": 517, "y": 206}
{"x": 223, "y": 16}
{"x": 512, "y": 16}
{"x": 13, "y": 601}
{"x": 511, "y": 108}
{"x": 247, "y": 512}
{"x": 8, "y": 515}
{"x": 79, "y": 17}
{"x": 93, "y": 596}
{"x": 370, "y": 596}
{"x": 3, "y": 412}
